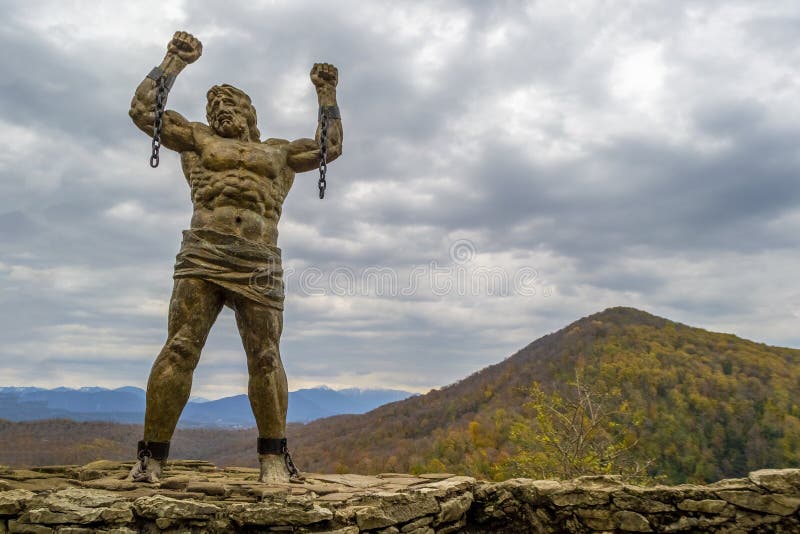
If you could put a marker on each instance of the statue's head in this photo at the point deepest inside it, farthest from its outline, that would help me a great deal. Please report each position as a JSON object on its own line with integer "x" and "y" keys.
{"x": 231, "y": 114}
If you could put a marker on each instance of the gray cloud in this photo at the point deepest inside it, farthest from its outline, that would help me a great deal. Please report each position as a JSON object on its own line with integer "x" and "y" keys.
{"x": 637, "y": 156}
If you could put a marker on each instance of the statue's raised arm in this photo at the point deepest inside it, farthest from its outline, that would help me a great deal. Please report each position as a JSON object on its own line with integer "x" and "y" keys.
{"x": 304, "y": 154}
{"x": 177, "y": 132}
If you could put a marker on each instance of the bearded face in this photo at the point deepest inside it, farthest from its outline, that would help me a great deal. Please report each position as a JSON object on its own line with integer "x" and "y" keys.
{"x": 228, "y": 117}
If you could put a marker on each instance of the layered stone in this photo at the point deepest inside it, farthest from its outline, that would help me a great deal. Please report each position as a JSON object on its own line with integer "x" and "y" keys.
{"x": 196, "y": 496}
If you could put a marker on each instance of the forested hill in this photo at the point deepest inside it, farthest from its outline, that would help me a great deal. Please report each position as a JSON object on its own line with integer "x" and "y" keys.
{"x": 700, "y": 406}
{"x": 709, "y": 405}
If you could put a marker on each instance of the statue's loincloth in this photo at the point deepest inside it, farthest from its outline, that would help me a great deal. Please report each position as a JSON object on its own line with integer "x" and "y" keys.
{"x": 252, "y": 270}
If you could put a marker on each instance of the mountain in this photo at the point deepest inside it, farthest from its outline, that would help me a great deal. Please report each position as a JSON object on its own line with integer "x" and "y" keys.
{"x": 711, "y": 405}
{"x": 352, "y": 400}
{"x": 123, "y": 405}
{"x": 127, "y": 404}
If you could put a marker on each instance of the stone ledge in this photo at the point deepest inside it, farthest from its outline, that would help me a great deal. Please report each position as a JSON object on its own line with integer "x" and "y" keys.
{"x": 195, "y": 496}
{"x": 765, "y": 501}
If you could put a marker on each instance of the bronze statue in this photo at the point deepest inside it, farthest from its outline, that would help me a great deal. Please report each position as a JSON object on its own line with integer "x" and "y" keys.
{"x": 229, "y": 255}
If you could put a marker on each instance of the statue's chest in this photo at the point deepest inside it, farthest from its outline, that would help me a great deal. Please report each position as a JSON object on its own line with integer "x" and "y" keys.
{"x": 230, "y": 154}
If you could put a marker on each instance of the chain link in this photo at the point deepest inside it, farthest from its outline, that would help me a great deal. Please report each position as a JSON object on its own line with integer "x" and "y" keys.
{"x": 294, "y": 473}
{"x": 161, "y": 101}
{"x": 323, "y": 151}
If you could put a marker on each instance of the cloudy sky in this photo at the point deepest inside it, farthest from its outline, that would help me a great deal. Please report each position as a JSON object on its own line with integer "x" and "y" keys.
{"x": 508, "y": 168}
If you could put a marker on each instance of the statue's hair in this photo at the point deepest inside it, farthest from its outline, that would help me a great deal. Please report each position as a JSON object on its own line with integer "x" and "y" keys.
{"x": 242, "y": 99}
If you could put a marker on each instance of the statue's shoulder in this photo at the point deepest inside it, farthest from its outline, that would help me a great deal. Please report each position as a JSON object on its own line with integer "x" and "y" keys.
{"x": 201, "y": 131}
{"x": 275, "y": 142}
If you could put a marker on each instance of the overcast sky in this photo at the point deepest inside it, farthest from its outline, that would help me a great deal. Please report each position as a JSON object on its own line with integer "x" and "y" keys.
{"x": 508, "y": 168}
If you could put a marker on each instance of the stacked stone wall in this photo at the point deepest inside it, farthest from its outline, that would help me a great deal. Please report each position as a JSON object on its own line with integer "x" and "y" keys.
{"x": 197, "y": 497}
{"x": 765, "y": 501}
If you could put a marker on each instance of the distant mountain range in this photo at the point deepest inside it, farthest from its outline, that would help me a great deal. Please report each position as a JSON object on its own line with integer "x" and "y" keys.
{"x": 127, "y": 404}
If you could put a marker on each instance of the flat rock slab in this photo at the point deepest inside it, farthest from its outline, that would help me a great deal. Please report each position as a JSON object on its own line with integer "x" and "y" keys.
{"x": 196, "y": 496}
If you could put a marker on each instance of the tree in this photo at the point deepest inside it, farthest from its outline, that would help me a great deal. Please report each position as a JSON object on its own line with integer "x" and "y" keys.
{"x": 582, "y": 433}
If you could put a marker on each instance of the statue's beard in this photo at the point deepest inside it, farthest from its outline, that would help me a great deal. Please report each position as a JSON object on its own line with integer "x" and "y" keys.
{"x": 229, "y": 125}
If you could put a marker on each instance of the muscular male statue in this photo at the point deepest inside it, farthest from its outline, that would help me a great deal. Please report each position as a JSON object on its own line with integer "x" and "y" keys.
{"x": 229, "y": 255}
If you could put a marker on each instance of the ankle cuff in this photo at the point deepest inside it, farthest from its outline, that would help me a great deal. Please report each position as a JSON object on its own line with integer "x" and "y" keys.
{"x": 271, "y": 445}
{"x": 157, "y": 450}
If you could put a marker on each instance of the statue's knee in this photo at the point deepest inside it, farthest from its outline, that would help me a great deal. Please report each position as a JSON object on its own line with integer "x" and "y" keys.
{"x": 265, "y": 362}
{"x": 181, "y": 352}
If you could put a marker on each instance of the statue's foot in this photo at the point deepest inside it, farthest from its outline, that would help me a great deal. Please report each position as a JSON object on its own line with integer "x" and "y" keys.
{"x": 147, "y": 470}
{"x": 273, "y": 469}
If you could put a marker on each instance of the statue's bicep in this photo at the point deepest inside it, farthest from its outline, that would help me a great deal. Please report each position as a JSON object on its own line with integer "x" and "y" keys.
{"x": 303, "y": 155}
{"x": 177, "y": 132}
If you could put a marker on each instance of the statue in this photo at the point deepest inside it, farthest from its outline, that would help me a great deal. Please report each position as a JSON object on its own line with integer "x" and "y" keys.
{"x": 238, "y": 184}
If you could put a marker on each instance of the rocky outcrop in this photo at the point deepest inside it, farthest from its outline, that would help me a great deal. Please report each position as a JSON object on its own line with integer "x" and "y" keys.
{"x": 765, "y": 501}
{"x": 196, "y": 496}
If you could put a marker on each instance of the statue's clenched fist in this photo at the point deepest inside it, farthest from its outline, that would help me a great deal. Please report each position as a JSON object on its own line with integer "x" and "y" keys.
{"x": 324, "y": 74}
{"x": 186, "y": 46}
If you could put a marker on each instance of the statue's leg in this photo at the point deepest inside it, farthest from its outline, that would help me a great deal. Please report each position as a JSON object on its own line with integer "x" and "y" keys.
{"x": 260, "y": 328}
{"x": 193, "y": 308}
